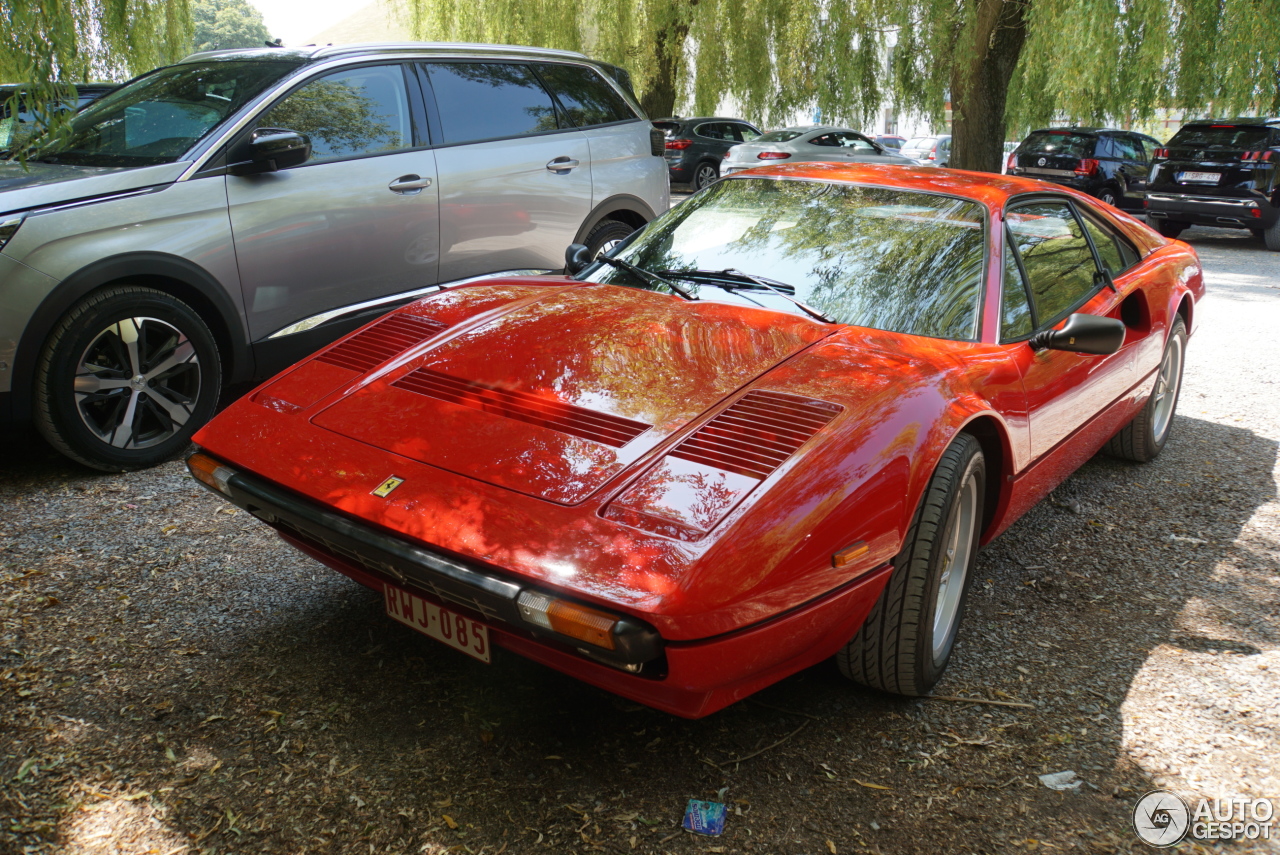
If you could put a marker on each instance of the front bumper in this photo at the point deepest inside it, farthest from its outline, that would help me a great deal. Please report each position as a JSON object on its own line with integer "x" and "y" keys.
{"x": 1203, "y": 210}
{"x": 685, "y": 678}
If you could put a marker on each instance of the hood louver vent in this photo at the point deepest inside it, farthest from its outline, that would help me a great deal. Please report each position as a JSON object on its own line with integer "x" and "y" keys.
{"x": 757, "y": 433}
{"x": 389, "y": 336}
{"x": 521, "y": 406}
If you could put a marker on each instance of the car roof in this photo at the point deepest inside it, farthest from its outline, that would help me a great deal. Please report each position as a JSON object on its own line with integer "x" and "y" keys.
{"x": 1259, "y": 121}
{"x": 702, "y": 119}
{"x": 312, "y": 53}
{"x": 989, "y": 188}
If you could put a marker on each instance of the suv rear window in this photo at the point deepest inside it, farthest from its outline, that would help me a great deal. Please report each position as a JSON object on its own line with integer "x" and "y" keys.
{"x": 1059, "y": 142}
{"x": 1220, "y": 137}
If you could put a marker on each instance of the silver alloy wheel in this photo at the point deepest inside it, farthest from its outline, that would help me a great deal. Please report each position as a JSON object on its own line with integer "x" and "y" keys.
{"x": 137, "y": 383}
{"x": 962, "y": 529}
{"x": 705, "y": 176}
{"x": 1108, "y": 196}
{"x": 1166, "y": 391}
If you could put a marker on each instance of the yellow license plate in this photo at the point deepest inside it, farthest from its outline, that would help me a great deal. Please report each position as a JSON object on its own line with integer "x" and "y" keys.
{"x": 458, "y": 631}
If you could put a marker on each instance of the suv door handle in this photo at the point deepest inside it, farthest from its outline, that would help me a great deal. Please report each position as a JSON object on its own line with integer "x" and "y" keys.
{"x": 409, "y": 185}
{"x": 561, "y": 164}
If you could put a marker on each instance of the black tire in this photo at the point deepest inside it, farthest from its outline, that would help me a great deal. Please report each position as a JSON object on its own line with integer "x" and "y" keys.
{"x": 1142, "y": 439}
{"x": 902, "y": 647}
{"x": 705, "y": 174}
{"x": 1170, "y": 228}
{"x": 1272, "y": 236}
{"x": 136, "y": 407}
{"x": 1110, "y": 195}
{"x": 605, "y": 235}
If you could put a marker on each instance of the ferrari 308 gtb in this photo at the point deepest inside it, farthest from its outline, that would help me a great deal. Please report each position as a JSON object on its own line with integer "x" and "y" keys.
{"x": 772, "y": 427}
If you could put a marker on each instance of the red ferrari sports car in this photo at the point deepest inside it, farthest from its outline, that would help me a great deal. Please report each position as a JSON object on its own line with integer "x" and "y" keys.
{"x": 772, "y": 427}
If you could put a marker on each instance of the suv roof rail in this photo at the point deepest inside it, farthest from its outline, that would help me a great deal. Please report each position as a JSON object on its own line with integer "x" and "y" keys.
{"x": 388, "y": 47}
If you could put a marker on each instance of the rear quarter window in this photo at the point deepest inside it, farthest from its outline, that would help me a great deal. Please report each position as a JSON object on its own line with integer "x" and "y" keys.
{"x": 489, "y": 100}
{"x": 587, "y": 98}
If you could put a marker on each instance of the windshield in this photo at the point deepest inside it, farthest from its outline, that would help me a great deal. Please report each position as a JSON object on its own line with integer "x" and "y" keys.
{"x": 870, "y": 256}
{"x": 158, "y": 118}
{"x": 778, "y": 136}
{"x": 1232, "y": 137}
{"x": 1059, "y": 142}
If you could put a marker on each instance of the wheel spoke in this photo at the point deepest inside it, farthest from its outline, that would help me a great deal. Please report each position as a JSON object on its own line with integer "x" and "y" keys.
{"x": 122, "y": 435}
{"x": 183, "y": 352}
{"x": 129, "y": 331}
{"x": 178, "y": 412}
{"x": 87, "y": 384}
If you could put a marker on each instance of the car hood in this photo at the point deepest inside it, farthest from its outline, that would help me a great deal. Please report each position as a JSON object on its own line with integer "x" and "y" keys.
{"x": 553, "y": 396}
{"x": 37, "y": 185}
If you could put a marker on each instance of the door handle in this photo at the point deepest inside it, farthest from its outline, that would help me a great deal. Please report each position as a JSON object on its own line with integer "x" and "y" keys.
{"x": 561, "y": 164}
{"x": 409, "y": 185}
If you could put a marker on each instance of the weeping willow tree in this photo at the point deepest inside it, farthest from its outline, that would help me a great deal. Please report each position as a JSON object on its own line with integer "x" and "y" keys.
{"x": 1000, "y": 63}
{"x": 46, "y": 44}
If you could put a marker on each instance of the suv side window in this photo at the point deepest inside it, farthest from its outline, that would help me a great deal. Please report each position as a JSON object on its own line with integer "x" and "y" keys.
{"x": 350, "y": 112}
{"x": 585, "y": 96}
{"x": 1055, "y": 255}
{"x": 711, "y": 131}
{"x": 489, "y": 100}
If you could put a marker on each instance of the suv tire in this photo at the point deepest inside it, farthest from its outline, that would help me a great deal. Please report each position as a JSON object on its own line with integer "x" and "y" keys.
{"x": 1272, "y": 236}
{"x": 1170, "y": 228}
{"x": 605, "y": 236}
{"x": 125, "y": 378}
{"x": 1109, "y": 195}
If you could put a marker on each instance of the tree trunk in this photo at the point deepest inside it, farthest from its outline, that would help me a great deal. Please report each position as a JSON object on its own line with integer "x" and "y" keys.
{"x": 980, "y": 84}
{"x": 659, "y": 100}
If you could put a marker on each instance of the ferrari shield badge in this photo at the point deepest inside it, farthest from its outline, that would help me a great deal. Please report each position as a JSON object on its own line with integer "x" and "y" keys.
{"x": 386, "y": 487}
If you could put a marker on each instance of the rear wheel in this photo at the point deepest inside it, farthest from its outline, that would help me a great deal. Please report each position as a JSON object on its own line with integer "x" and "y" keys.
{"x": 906, "y": 641}
{"x": 1170, "y": 228}
{"x": 606, "y": 235}
{"x": 1272, "y": 236}
{"x": 1110, "y": 195}
{"x": 1142, "y": 439}
{"x": 705, "y": 176}
{"x": 125, "y": 379}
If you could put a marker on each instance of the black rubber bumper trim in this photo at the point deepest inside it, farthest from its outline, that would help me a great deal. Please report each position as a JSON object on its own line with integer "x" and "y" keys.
{"x": 487, "y": 594}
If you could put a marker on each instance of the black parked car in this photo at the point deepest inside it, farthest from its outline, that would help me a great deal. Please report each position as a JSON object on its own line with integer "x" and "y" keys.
{"x": 695, "y": 147}
{"x": 1223, "y": 173}
{"x": 1110, "y": 164}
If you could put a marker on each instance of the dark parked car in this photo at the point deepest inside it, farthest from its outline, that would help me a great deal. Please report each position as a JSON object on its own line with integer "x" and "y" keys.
{"x": 1219, "y": 173}
{"x": 1109, "y": 164}
{"x": 695, "y": 147}
{"x": 930, "y": 151}
{"x": 24, "y": 122}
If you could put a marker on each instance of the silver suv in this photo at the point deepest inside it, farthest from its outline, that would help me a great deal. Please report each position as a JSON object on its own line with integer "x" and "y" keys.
{"x": 215, "y": 220}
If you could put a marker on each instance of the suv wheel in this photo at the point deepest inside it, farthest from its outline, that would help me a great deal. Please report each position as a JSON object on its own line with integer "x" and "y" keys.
{"x": 1272, "y": 236}
{"x": 605, "y": 236}
{"x": 705, "y": 176}
{"x": 1110, "y": 196}
{"x": 1170, "y": 228}
{"x": 125, "y": 379}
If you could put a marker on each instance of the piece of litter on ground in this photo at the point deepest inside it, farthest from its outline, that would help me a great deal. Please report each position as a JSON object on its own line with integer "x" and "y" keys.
{"x": 704, "y": 817}
{"x": 1177, "y": 538}
{"x": 1061, "y": 780}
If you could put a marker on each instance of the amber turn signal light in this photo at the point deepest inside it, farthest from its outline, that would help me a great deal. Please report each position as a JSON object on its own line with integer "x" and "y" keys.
{"x": 850, "y": 554}
{"x": 581, "y": 622}
{"x": 210, "y": 472}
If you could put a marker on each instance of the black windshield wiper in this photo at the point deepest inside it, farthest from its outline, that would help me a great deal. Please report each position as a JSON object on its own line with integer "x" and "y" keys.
{"x": 645, "y": 275}
{"x": 716, "y": 277}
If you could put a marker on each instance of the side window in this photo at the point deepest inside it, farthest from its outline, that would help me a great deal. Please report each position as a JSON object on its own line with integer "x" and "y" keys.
{"x": 1136, "y": 149}
{"x": 1016, "y": 320}
{"x": 348, "y": 113}
{"x": 710, "y": 131}
{"x": 489, "y": 100}
{"x": 855, "y": 142}
{"x": 825, "y": 140}
{"x": 1115, "y": 252}
{"x": 1059, "y": 265}
{"x": 585, "y": 95}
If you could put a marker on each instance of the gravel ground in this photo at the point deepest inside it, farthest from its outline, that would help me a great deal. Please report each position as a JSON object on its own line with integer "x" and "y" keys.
{"x": 174, "y": 680}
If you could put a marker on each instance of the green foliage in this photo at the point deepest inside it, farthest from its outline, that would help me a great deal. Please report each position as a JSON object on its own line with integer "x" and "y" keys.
{"x": 226, "y": 24}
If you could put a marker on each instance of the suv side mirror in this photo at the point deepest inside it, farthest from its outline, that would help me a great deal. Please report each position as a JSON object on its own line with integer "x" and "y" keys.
{"x": 577, "y": 258}
{"x": 1082, "y": 334}
{"x": 269, "y": 149}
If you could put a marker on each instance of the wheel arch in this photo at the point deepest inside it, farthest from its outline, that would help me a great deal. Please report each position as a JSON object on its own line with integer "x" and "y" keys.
{"x": 624, "y": 208}
{"x": 997, "y": 451}
{"x": 1185, "y": 309}
{"x": 173, "y": 275}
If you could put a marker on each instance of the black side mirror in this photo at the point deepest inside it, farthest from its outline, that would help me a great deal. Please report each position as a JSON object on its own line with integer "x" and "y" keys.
{"x": 577, "y": 258}
{"x": 269, "y": 149}
{"x": 1082, "y": 334}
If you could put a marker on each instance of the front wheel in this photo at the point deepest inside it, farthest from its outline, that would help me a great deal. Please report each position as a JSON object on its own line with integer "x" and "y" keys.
{"x": 906, "y": 641}
{"x": 1142, "y": 439}
{"x": 125, "y": 378}
{"x": 1272, "y": 236}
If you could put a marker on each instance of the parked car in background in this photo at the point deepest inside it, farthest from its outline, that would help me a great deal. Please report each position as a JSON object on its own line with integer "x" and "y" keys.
{"x": 695, "y": 147}
{"x": 772, "y": 428}
{"x": 930, "y": 151}
{"x": 893, "y": 142}
{"x": 21, "y": 124}
{"x": 1108, "y": 164}
{"x": 1222, "y": 173}
{"x": 218, "y": 219}
{"x": 809, "y": 143}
